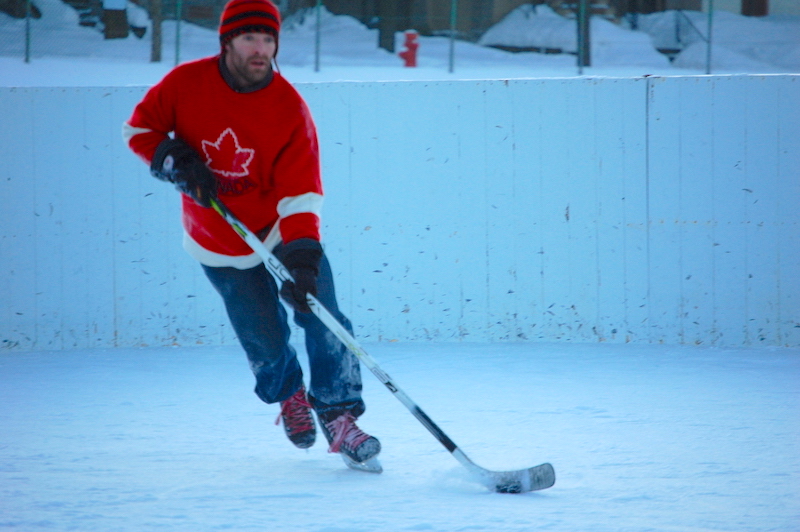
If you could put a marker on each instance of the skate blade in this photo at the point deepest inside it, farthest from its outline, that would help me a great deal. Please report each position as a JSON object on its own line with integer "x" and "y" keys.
{"x": 369, "y": 466}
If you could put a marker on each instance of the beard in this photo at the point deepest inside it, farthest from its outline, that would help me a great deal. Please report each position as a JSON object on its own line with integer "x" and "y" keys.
{"x": 249, "y": 70}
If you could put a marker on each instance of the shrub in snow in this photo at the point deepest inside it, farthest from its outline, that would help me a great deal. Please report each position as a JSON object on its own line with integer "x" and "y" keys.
{"x": 137, "y": 16}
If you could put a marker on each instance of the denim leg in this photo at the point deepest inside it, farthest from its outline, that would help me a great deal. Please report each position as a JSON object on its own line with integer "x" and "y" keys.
{"x": 335, "y": 371}
{"x": 260, "y": 322}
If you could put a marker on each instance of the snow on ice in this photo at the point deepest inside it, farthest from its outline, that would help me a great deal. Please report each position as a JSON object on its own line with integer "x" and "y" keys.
{"x": 642, "y": 438}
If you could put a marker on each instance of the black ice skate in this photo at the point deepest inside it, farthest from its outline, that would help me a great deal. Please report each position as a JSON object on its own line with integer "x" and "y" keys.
{"x": 297, "y": 420}
{"x": 346, "y": 438}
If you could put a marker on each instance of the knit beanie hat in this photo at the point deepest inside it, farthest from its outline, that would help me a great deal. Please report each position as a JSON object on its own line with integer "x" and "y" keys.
{"x": 245, "y": 16}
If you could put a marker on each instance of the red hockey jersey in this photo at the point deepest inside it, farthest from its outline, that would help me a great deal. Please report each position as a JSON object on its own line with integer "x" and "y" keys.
{"x": 262, "y": 146}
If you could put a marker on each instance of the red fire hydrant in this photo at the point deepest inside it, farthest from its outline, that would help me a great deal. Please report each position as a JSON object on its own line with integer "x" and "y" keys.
{"x": 409, "y": 55}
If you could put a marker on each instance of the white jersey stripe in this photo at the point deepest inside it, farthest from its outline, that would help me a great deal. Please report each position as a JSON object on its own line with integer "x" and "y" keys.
{"x": 218, "y": 260}
{"x": 309, "y": 202}
{"x": 128, "y": 132}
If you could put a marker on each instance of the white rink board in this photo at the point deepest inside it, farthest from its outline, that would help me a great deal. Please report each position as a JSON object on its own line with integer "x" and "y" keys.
{"x": 622, "y": 210}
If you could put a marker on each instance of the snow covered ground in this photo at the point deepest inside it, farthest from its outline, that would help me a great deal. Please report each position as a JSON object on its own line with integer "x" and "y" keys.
{"x": 64, "y": 53}
{"x": 641, "y": 437}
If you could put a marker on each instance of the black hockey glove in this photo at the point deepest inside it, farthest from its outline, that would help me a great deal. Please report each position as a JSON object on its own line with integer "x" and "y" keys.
{"x": 177, "y": 162}
{"x": 301, "y": 257}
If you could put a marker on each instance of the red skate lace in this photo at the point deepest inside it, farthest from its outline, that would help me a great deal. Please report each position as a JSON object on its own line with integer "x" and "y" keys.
{"x": 295, "y": 413}
{"x": 346, "y": 432}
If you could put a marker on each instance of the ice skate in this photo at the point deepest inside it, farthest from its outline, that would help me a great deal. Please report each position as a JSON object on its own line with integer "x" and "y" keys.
{"x": 346, "y": 438}
{"x": 298, "y": 422}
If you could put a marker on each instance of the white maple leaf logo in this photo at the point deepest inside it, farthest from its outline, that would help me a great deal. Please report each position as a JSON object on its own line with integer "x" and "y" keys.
{"x": 226, "y": 156}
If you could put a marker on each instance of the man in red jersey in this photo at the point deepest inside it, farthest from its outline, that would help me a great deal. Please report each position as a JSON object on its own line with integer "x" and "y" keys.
{"x": 231, "y": 127}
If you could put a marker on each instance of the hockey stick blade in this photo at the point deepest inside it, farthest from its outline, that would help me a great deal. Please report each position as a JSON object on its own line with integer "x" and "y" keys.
{"x": 521, "y": 481}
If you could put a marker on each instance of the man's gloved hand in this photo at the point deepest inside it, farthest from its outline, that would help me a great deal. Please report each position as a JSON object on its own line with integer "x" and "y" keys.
{"x": 177, "y": 162}
{"x": 301, "y": 257}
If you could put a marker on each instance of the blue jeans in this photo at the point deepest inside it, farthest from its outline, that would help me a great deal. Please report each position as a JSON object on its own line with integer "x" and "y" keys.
{"x": 260, "y": 321}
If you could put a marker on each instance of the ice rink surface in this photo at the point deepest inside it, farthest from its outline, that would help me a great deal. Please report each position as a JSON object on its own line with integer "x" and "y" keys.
{"x": 642, "y": 438}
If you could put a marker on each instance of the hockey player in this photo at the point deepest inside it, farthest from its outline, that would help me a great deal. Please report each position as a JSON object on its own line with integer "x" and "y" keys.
{"x": 231, "y": 127}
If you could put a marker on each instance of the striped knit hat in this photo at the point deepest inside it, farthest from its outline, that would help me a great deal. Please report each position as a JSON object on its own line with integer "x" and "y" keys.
{"x": 245, "y": 16}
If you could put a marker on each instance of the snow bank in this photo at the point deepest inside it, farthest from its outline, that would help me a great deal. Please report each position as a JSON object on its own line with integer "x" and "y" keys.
{"x": 540, "y": 27}
{"x": 531, "y": 26}
{"x": 741, "y": 43}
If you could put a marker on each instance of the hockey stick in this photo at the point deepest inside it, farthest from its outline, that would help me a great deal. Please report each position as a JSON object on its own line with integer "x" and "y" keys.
{"x": 519, "y": 481}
